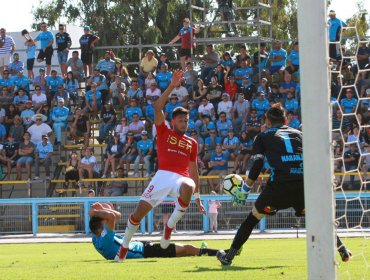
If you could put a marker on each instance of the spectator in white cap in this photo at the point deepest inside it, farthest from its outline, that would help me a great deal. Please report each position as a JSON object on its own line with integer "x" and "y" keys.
{"x": 59, "y": 117}
{"x": 39, "y": 128}
{"x": 335, "y": 25}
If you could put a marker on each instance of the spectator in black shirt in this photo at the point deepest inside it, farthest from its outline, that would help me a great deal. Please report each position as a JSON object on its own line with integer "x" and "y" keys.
{"x": 87, "y": 43}
{"x": 81, "y": 126}
{"x": 248, "y": 90}
{"x": 351, "y": 159}
{"x": 9, "y": 154}
{"x": 253, "y": 125}
{"x": 63, "y": 42}
{"x": 129, "y": 152}
{"x": 108, "y": 117}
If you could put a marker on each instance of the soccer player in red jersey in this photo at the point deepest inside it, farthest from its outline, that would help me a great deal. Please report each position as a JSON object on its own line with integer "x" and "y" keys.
{"x": 185, "y": 35}
{"x": 177, "y": 173}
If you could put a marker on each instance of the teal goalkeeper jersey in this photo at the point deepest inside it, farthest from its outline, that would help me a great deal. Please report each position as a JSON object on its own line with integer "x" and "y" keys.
{"x": 107, "y": 244}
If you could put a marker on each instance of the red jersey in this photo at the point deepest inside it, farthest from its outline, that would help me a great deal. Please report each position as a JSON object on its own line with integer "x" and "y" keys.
{"x": 185, "y": 37}
{"x": 175, "y": 151}
{"x": 231, "y": 90}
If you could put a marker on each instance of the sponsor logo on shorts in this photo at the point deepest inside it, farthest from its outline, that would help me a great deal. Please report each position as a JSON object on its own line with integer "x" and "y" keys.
{"x": 147, "y": 194}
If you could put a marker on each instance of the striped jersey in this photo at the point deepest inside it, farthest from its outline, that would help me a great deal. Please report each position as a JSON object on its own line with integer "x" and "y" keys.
{"x": 8, "y": 43}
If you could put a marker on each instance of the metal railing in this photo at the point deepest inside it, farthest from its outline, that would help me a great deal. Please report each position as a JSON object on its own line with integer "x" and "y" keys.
{"x": 35, "y": 215}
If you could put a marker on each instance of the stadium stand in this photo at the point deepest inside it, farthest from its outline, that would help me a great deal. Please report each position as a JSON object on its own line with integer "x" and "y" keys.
{"x": 81, "y": 115}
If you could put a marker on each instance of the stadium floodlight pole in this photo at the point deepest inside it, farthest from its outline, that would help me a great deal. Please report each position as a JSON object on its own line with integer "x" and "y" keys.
{"x": 317, "y": 149}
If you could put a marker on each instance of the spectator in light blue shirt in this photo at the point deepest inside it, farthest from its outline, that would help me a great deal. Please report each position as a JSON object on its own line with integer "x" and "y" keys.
{"x": 219, "y": 165}
{"x": 130, "y": 111}
{"x": 2, "y": 132}
{"x": 291, "y": 104}
{"x": 223, "y": 125}
{"x": 243, "y": 72}
{"x": 349, "y": 103}
{"x": 293, "y": 121}
{"x": 59, "y": 116}
{"x": 47, "y": 39}
{"x": 107, "y": 65}
{"x": 144, "y": 148}
{"x": 227, "y": 61}
{"x": 231, "y": 145}
{"x": 293, "y": 59}
{"x": 93, "y": 99}
{"x": 20, "y": 99}
{"x": 261, "y": 104}
{"x": 21, "y": 81}
{"x": 43, "y": 154}
{"x": 277, "y": 58}
{"x": 98, "y": 79}
{"x": 174, "y": 103}
{"x": 16, "y": 65}
{"x": 6, "y": 81}
{"x": 31, "y": 55}
{"x": 335, "y": 26}
{"x": 52, "y": 83}
{"x": 27, "y": 114}
{"x": 210, "y": 143}
{"x": 164, "y": 77}
{"x": 193, "y": 111}
{"x": 135, "y": 92}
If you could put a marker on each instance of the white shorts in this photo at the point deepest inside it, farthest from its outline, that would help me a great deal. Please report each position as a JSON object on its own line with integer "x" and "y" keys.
{"x": 5, "y": 59}
{"x": 164, "y": 183}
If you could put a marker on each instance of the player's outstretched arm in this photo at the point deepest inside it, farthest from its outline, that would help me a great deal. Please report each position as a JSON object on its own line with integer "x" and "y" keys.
{"x": 159, "y": 104}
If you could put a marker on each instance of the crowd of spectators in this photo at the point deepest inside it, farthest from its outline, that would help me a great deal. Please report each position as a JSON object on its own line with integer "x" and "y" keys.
{"x": 227, "y": 96}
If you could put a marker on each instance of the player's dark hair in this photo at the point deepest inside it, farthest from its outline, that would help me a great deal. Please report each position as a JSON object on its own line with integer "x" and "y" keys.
{"x": 276, "y": 114}
{"x": 95, "y": 224}
{"x": 179, "y": 111}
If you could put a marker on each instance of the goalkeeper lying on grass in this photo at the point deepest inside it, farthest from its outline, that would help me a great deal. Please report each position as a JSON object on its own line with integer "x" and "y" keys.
{"x": 107, "y": 242}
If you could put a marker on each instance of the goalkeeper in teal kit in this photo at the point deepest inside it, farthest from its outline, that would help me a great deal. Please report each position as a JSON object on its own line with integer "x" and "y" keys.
{"x": 102, "y": 222}
{"x": 281, "y": 146}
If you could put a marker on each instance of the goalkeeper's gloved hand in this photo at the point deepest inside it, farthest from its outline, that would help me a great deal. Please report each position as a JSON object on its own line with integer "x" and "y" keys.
{"x": 240, "y": 195}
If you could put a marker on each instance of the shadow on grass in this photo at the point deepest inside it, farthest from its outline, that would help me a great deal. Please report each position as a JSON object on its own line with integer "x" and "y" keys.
{"x": 232, "y": 268}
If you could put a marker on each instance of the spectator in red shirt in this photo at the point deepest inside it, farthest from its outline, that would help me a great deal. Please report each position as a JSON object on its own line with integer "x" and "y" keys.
{"x": 185, "y": 35}
{"x": 230, "y": 87}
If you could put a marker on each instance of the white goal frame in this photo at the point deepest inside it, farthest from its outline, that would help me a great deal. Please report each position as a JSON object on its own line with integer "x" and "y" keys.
{"x": 317, "y": 145}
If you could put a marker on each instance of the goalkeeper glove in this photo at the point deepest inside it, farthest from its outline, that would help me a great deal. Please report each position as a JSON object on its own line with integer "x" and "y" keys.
{"x": 241, "y": 195}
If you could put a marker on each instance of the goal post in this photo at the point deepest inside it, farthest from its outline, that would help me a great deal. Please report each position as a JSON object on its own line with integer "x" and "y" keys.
{"x": 317, "y": 147}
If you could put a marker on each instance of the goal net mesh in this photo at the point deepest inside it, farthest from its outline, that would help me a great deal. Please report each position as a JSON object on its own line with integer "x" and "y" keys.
{"x": 350, "y": 100}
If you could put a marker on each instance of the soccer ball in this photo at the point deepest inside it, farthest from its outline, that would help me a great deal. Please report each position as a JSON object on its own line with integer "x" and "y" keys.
{"x": 231, "y": 183}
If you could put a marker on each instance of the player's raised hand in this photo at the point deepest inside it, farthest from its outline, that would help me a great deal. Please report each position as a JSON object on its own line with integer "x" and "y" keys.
{"x": 177, "y": 78}
{"x": 97, "y": 206}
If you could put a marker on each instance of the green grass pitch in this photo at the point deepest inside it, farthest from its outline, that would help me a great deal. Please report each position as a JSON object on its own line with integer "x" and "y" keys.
{"x": 260, "y": 259}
